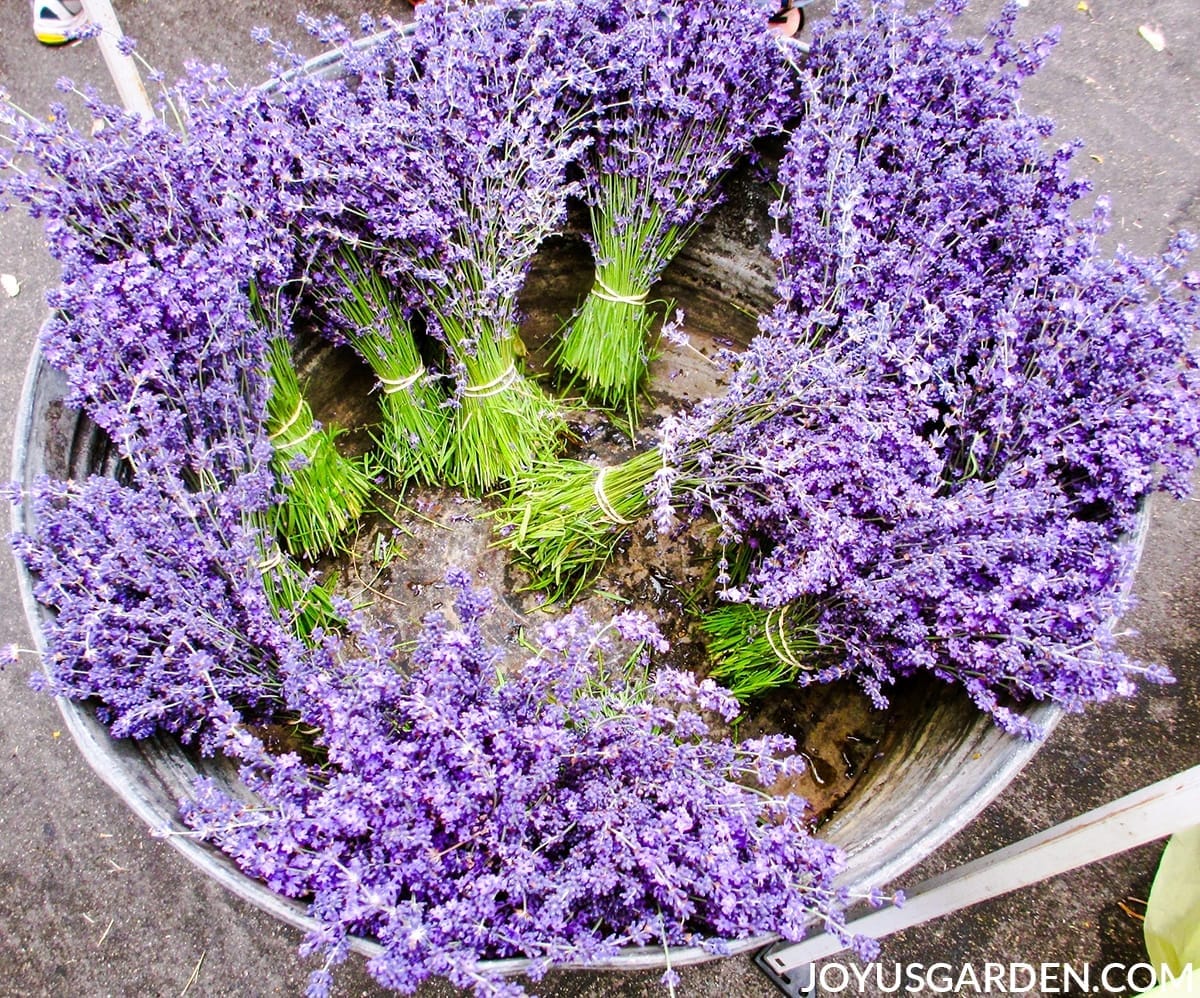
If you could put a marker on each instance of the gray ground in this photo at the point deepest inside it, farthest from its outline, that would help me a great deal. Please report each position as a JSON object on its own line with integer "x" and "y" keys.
{"x": 91, "y": 905}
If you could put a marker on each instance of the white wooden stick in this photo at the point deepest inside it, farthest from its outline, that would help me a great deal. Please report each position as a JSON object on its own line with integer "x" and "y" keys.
{"x": 121, "y": 67}
{"x": 1154, "y": 812}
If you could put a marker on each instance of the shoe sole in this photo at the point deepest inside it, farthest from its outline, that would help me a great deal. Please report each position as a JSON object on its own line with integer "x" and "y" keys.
{"x": 59, "y": 31}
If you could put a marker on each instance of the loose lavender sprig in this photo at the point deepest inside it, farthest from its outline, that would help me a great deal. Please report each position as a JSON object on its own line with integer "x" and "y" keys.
{"x": 671, "y": 113}
{"x": 458, "y": 815}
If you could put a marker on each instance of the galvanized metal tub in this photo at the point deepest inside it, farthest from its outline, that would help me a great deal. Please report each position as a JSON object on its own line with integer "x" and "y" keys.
{"x": 938, "y": 772}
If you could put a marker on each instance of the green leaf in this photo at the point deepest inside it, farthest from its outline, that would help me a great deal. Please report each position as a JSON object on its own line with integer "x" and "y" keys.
{"x": 1172, "y": 927}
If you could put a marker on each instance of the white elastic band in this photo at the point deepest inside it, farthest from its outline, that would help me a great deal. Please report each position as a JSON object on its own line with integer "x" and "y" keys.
{"x": 602, "y": 500}
{"x": 275, "y": 560}
{"x": 291, "y": 420}
{"x": 293, "y": 444}
{"x": 602, "y": 290}
{"x": 493, "y": 387}
{"x": 392, "y": 386}
{"x": 782, "y": 651}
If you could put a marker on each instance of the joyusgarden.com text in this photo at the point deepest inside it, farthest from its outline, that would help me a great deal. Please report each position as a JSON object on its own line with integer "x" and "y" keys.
{"x": 834, "y": 978}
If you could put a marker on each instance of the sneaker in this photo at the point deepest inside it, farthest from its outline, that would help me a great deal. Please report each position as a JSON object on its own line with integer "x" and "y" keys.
{"x": 788, "y": 20}
{"x": 56, "y": 22}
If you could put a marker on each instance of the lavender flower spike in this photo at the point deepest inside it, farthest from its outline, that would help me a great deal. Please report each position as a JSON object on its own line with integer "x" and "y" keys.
{"x": 670, "y": 113}
{"x": 576, "y": 806}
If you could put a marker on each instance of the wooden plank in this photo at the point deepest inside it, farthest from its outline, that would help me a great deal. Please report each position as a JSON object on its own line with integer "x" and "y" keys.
{"x": 121, "y": 67}
{"x": 1154, "y": 812}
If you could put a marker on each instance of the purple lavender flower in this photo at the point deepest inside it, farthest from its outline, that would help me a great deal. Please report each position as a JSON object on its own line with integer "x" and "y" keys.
{"x": 463, "y": 814}
{"x": 669, "y": 112}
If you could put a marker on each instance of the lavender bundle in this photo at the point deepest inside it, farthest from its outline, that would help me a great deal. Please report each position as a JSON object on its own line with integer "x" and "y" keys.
{"x": 955, "y": 498}
{"x": 145, "y": 302}
{"x": 414, "y": 428}
{"x": 169, "y": 613}
{"x": 169, "y": 595}
{"x": 365, "y": 225}
{"x": 457, "y": 818}
{"x": 753, "y": 650}
{"x": 670, "y": 114}
{"x": 506, "y": 150}
{"x": 140, "y": 188}
{"x": 562, "y": 520}
{"x": 471, "y": 178}
{"x": 160, "y": 612}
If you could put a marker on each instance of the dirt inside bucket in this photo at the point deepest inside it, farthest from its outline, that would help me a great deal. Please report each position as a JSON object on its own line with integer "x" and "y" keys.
{"x": 397, "y": 562}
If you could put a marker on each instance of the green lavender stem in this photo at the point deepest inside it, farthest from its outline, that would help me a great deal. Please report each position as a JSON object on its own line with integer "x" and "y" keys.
{"x": 414, "y": 422}
{"x": 752, "y": 649}
{"x": 324, "y": 493}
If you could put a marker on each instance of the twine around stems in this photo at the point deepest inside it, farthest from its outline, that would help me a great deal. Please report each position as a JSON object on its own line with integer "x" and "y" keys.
{"x": 290, "y": 422}
{"x": 392, "y": 386}
{"x": 493, "y": 387}
{"x": 602, "y": 501}
{"x": 602, "y": 290}
{"x": 783, "y": 650}
{"x": 290, "y": 445}
{"x": 271, "y": 562}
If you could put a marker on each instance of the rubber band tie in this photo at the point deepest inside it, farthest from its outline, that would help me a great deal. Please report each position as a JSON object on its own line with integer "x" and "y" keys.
{"x": 606, "y": 507}
{"x": 602, "y": 290}
{"x": 783, "y": 651}
{"x": 393, "y": 385}
{"x": 274, "y": 561}
{"x": 291, "y": 421}
{"x": 289, "y": 445}
{"x": 493, "y": 387}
